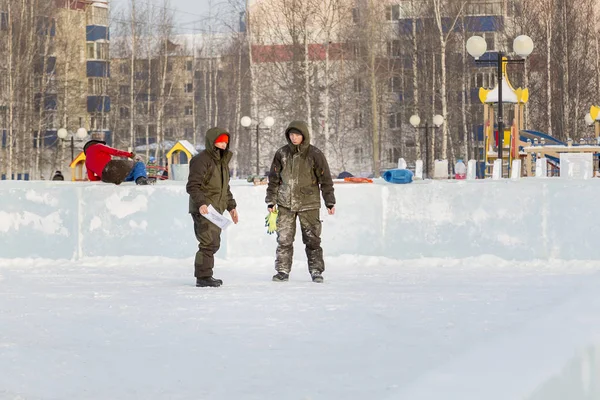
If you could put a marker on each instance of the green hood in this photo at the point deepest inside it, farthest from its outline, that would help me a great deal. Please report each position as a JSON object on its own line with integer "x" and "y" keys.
{"x": 302, "y": 127}
{"x": 211, "y": 136}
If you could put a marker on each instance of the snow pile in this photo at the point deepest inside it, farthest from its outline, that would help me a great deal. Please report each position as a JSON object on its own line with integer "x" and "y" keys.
{"x": 523, "y": 220}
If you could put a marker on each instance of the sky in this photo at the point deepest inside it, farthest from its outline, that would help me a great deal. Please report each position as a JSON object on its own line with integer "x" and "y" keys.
{"x": 185, "y": 7}
{"x": 188, "y": 13}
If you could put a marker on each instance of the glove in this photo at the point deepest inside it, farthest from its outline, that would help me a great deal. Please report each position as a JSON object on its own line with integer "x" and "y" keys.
{"x": 271, "y": 221}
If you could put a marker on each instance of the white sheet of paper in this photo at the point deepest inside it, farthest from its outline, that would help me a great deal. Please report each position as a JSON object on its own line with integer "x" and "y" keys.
{"x": 218, "y": 219}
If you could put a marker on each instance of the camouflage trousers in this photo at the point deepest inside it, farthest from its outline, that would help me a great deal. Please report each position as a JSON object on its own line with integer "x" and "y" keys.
{"x": 310, "y": 224}
{"x": 209, "y": 242}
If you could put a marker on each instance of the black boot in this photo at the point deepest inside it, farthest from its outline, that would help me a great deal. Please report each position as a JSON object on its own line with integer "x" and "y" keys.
{"x": 208, "y": 282}
{"x": 142, "y": 180}
{"x": 316, "y": 276}
{"x": 281, "y": 277}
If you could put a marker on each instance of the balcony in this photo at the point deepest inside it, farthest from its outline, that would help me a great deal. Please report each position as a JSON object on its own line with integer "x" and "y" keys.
{"x": 98, "y": 69}
{"x": 485, "y": 8}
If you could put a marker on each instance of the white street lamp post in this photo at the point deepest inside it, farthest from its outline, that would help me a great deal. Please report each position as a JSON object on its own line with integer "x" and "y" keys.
{"x": 81, "y": 133}
{"x": 415, "y": 121}
{"x": 268, "y": 122}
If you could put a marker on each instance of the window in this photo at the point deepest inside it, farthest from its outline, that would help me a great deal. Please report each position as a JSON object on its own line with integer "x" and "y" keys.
{"x": 392, "y": 13}
{"x": 101, "y": 51}
{"x": 51, "y": 118}
{"x": 189, "y": 65}
{"x": 485, "y": 80}
{"x": 3, "y": 82}
{"x": 124, "y": 69}
{"x": 97, "y": 16}
{"x": 357, "y": 85}
{"x": 395, "y": 85}
{"x": 515, "y": 9}
{"x": 188, "y": 88}
{"x": 393, "y": 155}
{"x": 353, "y": 48}
{"x": 3, "y": 21}
{"x": 124, "y": 112}
{"x": 97, "y": 51}
{"x": 355, "y": 15}
{"x": 140, "y": 76}
{"x": 141, "y": 109}
{"x": 358, "y": 154}
{"x": 395, "y": 120}
{"x": 189, "y": 110}
{"x": 358, "y": 120}
{"x": 490, "y": 39}
{"x": 188, "y": 132}
{"x": 124, "y": 90}
{"x": 168, "y": 133}
{"x": 98, "y": 122}
{"x": 45, "y": 25}
{"x": 90, "y": 50}
{"x": 97, "y": 86}
{"x": 393, "y": 49}
{"x": 492, "y": 7}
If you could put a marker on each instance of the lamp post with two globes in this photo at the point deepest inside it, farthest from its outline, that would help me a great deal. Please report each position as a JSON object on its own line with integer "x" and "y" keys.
{"x": 80, "y": 134}
{"x": 268, "y": 122}
{"x": 415, "y": 121}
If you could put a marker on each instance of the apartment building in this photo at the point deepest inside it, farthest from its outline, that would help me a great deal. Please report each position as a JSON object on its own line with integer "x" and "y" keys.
{"x": 176, "y": 93}
{"x": 68, "y": 83}
{"x": 340, "y": 57}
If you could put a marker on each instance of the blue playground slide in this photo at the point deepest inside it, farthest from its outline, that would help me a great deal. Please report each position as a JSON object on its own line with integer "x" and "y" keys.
{"x": 531, "y": 134}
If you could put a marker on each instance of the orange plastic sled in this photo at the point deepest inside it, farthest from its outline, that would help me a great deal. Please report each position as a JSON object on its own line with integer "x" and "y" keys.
{"x": 358, "y": 180}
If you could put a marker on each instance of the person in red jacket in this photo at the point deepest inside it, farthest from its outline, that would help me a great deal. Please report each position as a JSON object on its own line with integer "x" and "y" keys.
{"x": 101, "y": 167}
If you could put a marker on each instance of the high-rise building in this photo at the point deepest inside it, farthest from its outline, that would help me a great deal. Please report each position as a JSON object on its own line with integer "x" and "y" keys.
{"x": 83, "y": 58}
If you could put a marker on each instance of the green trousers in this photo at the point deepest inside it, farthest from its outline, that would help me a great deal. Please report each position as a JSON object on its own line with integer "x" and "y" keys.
{"x": 209, "y": 242}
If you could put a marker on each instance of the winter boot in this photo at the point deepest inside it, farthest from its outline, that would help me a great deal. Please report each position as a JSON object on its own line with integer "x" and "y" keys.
{"x": 281, "y": 277}
{"x": 208, "y": 282}
{"x": 142, "y": 180}
{"x": 316, "y": 277}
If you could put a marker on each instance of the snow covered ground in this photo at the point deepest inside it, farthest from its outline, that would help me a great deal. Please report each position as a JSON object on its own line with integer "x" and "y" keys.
{"x": 443, "y": 290}
{"x": 135, "y": 328}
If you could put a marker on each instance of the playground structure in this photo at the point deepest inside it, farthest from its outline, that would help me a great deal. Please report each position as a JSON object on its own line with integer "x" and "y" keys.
{"x": 524, "y": 144}
{"x": 517, "y": 98}
{"x": 178, "y": 159}
{"x": 78, "y": 171}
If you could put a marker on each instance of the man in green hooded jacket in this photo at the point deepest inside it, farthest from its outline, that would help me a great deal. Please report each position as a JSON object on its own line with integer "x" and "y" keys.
{"x": 299, "y": 174}
{"x": 208, "y": 184}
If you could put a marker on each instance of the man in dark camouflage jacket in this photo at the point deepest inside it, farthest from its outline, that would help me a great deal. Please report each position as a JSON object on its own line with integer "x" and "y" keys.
{"x": 298, "y": 175}
{"x": 208, "y": 184}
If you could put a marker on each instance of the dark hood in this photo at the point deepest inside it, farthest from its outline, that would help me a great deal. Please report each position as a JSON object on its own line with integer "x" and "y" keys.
{"x": 302, "y": 127}
{"x": 211, "y": 136}
{"x": 91, "y": 143}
